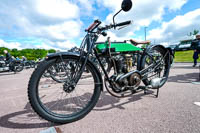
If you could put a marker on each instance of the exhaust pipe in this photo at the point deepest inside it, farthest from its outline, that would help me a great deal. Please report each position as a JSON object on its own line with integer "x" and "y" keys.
{"x": 155, "y": 83}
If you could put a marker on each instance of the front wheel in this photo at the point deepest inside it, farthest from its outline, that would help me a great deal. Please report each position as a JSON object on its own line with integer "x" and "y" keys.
{"x": 59, "y": 102}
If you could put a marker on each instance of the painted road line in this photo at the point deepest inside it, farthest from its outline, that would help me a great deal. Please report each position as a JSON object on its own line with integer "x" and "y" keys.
{"x": 196, "y": 83}
{"x": 197, "y": 103}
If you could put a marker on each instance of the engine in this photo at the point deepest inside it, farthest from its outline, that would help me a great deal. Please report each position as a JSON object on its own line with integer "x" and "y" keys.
{"x": 125, "y": 64}
{"x": 125, "y": 78}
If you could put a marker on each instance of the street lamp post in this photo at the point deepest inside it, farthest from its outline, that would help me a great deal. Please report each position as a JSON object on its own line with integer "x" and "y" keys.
{"x": 145, "y": 34}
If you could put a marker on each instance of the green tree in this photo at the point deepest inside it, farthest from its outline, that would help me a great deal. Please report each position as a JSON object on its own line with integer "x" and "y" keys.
{"x": 30, "y": 54}
{"x": 2, "y": 49}
{"x": 51, "y": 51}
{"x": 193, "y": 33}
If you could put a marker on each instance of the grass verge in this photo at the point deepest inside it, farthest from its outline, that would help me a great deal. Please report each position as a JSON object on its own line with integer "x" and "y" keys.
{"x": 184, "y": 56}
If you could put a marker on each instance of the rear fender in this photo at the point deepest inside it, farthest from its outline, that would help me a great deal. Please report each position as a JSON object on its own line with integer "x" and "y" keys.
{"x": 65, "y": 54}
{"x": 158, "y": 45}
{"x": 170, "y": 55}
{"x": 152, "y": 46}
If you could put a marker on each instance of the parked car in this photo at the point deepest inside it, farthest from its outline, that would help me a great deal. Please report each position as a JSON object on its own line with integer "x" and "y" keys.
{"x": 184, "y": 45}
{"x": 173, "y": 46}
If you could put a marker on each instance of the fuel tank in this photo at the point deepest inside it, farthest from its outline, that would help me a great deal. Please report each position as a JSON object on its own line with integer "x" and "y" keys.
{"x": 116, "y": 47}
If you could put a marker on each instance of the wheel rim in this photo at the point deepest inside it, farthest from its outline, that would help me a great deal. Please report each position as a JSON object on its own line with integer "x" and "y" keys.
{"x": 19, "y": 67}
{"x": 66, "y": 103}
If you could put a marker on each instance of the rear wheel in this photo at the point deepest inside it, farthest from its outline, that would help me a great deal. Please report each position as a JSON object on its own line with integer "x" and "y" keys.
{"x": 162, "y": 62}
{"x": 59, "y": 102}
{"x": 18, "y": 67}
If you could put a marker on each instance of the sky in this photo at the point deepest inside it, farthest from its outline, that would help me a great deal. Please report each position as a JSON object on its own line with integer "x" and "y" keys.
{"x": 60, "y": 24}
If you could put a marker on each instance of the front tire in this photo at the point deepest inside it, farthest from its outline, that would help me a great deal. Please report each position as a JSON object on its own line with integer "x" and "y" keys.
{"x": 56, "y": 104}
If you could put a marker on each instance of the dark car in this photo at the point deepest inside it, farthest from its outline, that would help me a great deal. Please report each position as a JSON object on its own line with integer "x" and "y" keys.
{"x": 184, "y": 45}
{"x": 2, "y": 58}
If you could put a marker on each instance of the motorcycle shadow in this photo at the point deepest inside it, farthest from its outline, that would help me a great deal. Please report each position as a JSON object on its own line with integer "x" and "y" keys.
{"x": 107, "y": 102}
{"x": 184, "y": 67}
{"x": 25, "y": 119}
{"x": 6, "y": 73}
{"x": 184, "y": 78}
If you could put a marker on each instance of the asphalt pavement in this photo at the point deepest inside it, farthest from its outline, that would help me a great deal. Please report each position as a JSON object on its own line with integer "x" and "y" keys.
{"x": 176, "y": 110}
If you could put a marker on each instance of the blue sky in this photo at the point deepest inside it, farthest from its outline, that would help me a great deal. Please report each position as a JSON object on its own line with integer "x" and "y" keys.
{"x": 60, "y": 24}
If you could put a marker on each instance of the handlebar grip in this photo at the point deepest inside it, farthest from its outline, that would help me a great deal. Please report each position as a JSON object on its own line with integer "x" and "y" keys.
{"x": 91, "y": 26}
{"x": 123, "y": 23}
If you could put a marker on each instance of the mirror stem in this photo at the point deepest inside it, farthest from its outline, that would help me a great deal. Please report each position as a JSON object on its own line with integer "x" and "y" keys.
{"x": 114, "y": 17}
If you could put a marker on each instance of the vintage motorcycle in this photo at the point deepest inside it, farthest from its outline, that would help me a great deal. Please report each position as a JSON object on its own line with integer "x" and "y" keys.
{"x": 29, "y": 64}
{"x": 17, "y": 66}
{"x": 74, "y": 97}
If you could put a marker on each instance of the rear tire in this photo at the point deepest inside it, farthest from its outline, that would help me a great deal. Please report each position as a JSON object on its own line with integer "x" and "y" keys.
{"x": 163, "y": 71}
{"x": 18, "y": 67}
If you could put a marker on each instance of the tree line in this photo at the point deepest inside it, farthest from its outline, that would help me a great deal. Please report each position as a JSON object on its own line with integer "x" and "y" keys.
{"x": 30, "y": 54}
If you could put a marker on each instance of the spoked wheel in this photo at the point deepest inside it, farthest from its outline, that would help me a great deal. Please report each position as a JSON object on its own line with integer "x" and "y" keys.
{"x": 59, "y": 72}
{"x": 105, "y": 62}
{"x": 64, "y": 102}
{"x": 18, "y": 67}
{"x": 162, "y": 65}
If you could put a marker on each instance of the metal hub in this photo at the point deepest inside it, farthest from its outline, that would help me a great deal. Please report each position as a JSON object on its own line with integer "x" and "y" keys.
{"x": 68, "y": 88}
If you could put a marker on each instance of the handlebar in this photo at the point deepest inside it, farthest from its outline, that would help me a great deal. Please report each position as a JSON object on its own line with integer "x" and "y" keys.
{"x": 114, "y": 25}
{"x": 96, "y": 23}
{"x": 123, "y": 23}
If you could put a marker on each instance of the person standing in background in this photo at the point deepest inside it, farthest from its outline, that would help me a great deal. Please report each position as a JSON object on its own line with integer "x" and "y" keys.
{"x": 196, "y": 46}
{"x": 9, "y": 60}
{"x": 8, "y": 56}
{"x": 195, "y": 57}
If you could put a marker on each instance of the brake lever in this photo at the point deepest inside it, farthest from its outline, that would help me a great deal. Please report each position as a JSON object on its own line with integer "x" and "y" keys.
{"x": 122, "y": 27}
{"x": 125, "y": 26}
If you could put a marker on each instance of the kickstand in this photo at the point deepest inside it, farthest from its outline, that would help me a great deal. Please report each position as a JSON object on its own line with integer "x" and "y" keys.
{"x": 157, "y": 93}
{"x": 144, "y": 88}
{"x": 145, "y": 91}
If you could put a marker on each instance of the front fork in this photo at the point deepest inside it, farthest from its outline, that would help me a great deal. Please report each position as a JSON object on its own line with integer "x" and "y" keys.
{"x": 79, "y": 68}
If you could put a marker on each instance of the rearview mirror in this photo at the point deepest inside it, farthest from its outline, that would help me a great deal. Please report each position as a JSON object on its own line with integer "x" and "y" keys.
{"x": 126, "y": 5}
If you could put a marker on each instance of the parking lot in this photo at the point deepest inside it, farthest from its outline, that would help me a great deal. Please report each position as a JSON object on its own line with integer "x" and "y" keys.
{"x": 173, "y": 111}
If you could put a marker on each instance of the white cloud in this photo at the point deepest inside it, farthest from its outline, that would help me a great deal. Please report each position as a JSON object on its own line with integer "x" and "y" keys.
{"x": 58, "y": 21}
{"x": 10, "y": 45}
{"x": 59, "y": 45}
{"x": 110, "y": 4}
{"x": 66, "y": 45}
{"x": 87, "y": 6}
{"x": 64, "y": 31}
{"x": 62, "y": 46}
{"x": 177, "y": 28}
{"x": 114, "y": 37}
{"x": 50, "y": 19}
{"x": 143, "y": 12}
{"x": 57, "y": 8}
